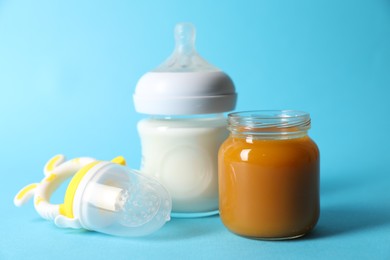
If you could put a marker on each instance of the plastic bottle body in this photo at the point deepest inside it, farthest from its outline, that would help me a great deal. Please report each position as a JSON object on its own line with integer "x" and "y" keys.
{"x": 181, "y": 152}
{"x": 269, "y": 175}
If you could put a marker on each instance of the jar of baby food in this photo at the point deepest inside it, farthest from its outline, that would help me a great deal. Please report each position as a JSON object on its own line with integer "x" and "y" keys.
{"x": 184, "y": 99}
{"x": 269, "y": 175}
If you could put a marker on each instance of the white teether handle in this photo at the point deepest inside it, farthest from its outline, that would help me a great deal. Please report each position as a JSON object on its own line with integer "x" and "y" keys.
{"x": 56, "y": 172}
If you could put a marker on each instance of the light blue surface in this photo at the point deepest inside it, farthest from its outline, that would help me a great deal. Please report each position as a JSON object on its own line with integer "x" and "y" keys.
{"x": 68, "y": 70}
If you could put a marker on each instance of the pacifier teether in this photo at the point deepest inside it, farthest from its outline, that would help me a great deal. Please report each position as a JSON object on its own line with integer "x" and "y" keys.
{"x": 103, "y": 196}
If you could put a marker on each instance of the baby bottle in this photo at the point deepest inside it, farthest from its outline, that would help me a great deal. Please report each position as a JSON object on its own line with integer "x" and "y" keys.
{"x": 185, "y": 99}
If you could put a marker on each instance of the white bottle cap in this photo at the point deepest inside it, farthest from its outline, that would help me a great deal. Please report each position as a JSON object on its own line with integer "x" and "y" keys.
{"x": 185, "y": 83}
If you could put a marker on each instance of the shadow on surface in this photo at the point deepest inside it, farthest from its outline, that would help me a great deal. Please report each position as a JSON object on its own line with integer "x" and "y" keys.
{"x": 353, "y": 205}
{"x": 355, "y": 202}
{"x": 187, "y": 228}
{"x": 175, "y": 229}
{"x": 340, "y": 221}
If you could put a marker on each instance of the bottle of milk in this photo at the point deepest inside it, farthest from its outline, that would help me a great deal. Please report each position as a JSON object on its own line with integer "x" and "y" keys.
{"x": 185, "y": 99}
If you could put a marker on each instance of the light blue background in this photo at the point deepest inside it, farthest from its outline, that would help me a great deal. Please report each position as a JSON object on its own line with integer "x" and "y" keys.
{"x": 68, "y": 70}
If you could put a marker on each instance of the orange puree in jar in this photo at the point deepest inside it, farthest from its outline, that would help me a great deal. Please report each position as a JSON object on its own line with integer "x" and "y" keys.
{"x": 269, "y": 179}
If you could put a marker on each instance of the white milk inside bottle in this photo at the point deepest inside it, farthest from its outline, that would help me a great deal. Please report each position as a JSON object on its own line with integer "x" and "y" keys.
{"x": 185, "y": 99}
{"x": 183, "y": 154}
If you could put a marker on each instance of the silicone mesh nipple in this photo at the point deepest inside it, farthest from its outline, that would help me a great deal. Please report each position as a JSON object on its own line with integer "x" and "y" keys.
{"x": 185, "y": 57}
{"x": 141, "y": 204}
{"x": 121, "y": 201}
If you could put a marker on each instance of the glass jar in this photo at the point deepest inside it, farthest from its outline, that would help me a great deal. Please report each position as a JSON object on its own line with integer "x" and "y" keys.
{"x": 269, "y": 175}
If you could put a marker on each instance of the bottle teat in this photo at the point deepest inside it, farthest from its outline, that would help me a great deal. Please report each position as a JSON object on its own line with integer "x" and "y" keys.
{"x": 185, "y": 84}
{"x": 185, "y": 57}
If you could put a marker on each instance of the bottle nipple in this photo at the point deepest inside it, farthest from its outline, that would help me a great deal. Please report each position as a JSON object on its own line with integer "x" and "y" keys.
{"x": 185, "y": 57}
